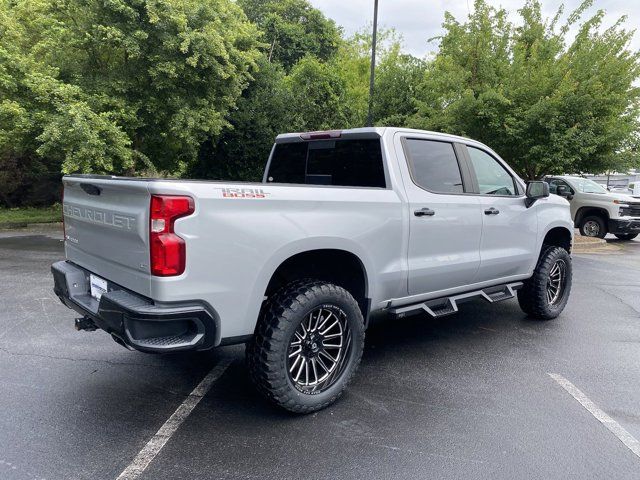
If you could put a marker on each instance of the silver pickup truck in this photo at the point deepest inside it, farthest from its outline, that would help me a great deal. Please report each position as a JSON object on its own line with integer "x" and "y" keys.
{"x": 344, "y": 224}
{"x": 595, "y": 210}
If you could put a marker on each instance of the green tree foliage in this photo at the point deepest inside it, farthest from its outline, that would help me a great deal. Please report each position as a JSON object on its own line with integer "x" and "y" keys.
{"x": 547, "y": 105}
{"x": 120, "y": 86}
{"x": 316, "y": 94}
{"x": 45, "y": 124}
{"x": 320, "y": 95}
{"x": 292, "y": 29}
{"x": 265, "y": 109}
{"x": 201, "y": 88}
{"x": 278, "y": 99}
{"x": 351, "y": 64}
{"x": 397, "y": 75}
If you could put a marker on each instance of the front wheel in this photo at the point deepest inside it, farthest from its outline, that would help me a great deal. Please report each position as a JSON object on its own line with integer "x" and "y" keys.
{"x": 307, "y": 345}
{"x": 626, "y": 236}
{"x": 593, "y": 227}
{"x": 546, "y": 293}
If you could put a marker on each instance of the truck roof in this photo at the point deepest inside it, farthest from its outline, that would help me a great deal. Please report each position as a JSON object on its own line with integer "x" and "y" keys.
{"x": 568, "y": 177}
{"x": 363, "y": 132}
{"x": 350, "y": 132}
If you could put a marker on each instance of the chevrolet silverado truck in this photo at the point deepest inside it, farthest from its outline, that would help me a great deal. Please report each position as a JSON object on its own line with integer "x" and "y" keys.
{"x": 595, "y": 210}
{"x": 344, "y": 224}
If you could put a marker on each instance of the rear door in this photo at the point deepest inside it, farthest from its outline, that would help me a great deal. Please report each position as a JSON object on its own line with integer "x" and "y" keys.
{"x": 445, "y": 222}
{"x": 509, "y": 228}
{"x": 107, "y": 229}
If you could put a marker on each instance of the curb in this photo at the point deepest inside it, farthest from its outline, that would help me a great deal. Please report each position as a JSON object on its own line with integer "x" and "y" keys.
{"x": 607, "y": 248}
{"x": 591, "y": 244}
{"x": 580, "y": 240}
{"x": 12, "y": 225}
{"x": 20, "y": 225}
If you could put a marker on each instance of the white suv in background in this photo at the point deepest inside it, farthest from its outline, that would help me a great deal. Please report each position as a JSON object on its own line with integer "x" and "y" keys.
{"x": 595, "y": 210}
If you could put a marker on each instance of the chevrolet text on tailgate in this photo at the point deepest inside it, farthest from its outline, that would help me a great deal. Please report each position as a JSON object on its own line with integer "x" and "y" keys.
{"x": 344, "y": 224}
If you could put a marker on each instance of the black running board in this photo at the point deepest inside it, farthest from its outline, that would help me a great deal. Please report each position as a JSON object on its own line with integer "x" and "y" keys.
{"x": 441, "y": 307}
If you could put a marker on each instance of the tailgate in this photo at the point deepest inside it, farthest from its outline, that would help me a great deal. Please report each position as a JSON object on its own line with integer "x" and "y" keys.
{"x": 107, "y": 229}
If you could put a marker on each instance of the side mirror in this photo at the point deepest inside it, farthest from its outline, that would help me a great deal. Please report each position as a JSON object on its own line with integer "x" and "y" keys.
{"x": 535, "y": 191}
{"x": 564, "y": 191}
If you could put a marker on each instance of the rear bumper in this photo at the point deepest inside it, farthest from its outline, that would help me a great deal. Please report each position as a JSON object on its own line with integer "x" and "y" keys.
{"x": 133, "y": 320}
{"x": 624, "y": 226}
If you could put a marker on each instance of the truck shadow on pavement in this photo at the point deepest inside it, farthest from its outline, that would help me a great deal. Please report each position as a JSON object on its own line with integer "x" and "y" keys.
{"x": 392, "y": 351}
{"x": 400, "y": 400}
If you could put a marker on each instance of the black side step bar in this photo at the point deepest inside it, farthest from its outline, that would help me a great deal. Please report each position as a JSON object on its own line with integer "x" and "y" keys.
{"x": 440, "y": 307}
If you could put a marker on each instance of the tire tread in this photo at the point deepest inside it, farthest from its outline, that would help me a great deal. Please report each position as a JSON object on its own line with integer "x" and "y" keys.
{"x": 269, "y": 342}
{"x": 532, "y": 296}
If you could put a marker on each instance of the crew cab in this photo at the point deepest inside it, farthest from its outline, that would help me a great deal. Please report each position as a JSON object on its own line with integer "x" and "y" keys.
{"x": 344, "y": 224}
{"x": 595, "y": 210}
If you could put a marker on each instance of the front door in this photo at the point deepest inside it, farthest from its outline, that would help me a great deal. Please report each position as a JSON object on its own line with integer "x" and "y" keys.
{"x": 558, "y": 186}
{"x": 509, "y": 233}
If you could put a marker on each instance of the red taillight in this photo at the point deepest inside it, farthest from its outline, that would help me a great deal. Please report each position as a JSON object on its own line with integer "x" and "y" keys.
{"x": 168, "y": 252}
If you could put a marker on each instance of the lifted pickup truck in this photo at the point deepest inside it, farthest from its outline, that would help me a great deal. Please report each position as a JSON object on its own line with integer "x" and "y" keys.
{"x": 595, "y": 210}
{"x": 344, "y": 224}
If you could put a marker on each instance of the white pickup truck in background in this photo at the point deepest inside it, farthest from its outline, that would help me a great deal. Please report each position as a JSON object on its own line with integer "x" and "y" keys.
{"x": 344, "y": 224}
{"x": 595, "y": 210}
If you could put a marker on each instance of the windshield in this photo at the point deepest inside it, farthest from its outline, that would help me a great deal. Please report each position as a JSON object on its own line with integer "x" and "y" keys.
{"x": 588, "y": 186}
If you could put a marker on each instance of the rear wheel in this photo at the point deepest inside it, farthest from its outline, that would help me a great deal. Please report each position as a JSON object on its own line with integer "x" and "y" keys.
{"x": 593, "y": 226}
{"x": 546, "y": 293}
{"x": 626, "y": 236}
{"x": 307, "y": 346}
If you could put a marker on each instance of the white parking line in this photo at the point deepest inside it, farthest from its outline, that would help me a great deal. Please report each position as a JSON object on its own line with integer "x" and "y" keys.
{"x": 162, "y": 436}
{"x": 614, "y": 427}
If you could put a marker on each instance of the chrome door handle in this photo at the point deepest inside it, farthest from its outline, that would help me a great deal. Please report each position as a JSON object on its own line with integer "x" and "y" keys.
{"x": 424, "y": 212}
{"x": 491, "y": 211}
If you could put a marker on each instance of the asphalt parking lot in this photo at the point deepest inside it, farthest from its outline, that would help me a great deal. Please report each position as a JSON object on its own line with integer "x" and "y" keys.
{"x": 467, "y": 396}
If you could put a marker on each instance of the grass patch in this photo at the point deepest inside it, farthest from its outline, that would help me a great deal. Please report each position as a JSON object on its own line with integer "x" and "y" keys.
{"x": 16, "y": 216}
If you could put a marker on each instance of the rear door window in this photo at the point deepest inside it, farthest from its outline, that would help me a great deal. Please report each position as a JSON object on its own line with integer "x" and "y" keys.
{"x": 434, "y": 166}
{"x": 347, "y": 163}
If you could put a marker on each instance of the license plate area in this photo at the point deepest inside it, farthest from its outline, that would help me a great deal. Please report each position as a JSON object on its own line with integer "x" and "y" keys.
{"x": 97, "y": 285}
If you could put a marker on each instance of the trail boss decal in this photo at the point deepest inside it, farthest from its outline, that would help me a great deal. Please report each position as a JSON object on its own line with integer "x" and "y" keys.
{"x": 243, "y": 193}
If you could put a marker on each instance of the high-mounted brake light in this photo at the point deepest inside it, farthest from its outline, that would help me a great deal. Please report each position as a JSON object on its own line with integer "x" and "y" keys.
{"x": 168, "y": 251}
{"x": 321, "y": 135}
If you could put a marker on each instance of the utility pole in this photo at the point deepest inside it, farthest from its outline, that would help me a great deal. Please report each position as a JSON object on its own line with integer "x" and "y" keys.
{"x": 372, "y": 76}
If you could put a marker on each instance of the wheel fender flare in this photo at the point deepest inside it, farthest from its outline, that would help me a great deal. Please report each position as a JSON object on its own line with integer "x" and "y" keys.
{"x": 305, "y": 245}
{"x": 543, "y": 234}
{"x": 589, "y": 211}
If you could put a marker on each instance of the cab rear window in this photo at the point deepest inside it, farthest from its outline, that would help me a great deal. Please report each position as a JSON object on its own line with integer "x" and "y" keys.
{"x": 347, "y": 163}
